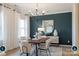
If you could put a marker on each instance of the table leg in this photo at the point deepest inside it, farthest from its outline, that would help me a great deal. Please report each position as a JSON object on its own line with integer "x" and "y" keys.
{"x": 27, "y": 54}
{"x": 36, "y": 49}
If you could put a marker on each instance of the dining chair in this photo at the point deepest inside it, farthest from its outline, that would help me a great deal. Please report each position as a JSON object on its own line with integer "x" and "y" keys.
{"x": 45, "y": 47}
{"x": 26, "y": 48}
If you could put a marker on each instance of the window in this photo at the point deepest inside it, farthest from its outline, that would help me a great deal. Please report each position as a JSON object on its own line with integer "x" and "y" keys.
{"x": 24, "y": 27}
{"x": 21, "y": 28}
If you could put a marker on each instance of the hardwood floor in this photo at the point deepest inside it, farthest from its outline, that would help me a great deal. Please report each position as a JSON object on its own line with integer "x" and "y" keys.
{"x": 66, "y": 51}
{"x": 9, "y": 52}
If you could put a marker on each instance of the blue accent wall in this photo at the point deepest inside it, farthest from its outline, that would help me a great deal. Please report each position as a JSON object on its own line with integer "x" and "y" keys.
{"x": 62, "y": 22}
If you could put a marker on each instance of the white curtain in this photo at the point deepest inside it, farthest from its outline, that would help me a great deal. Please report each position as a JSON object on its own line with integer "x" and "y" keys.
{"x": 17, "y": 18}
{"x": 27, "y": 27}
{"x": 10, "y": 28}
{"x": 11, "y": 19}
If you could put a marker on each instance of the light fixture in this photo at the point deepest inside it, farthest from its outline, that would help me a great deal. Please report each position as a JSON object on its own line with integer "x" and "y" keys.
{"x": 43, "y": 12}
{"x": 37, "y": 11}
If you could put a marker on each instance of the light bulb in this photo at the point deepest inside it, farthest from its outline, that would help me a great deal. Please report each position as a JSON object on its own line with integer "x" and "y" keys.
{"x": 43, "y": 12}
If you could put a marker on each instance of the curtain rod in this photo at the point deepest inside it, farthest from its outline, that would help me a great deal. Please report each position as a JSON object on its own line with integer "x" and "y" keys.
{"x": 7, "y": 7}
{"x": 10, "y": 8}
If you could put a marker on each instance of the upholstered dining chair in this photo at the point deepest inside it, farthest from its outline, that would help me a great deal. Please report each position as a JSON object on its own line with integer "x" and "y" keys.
{"x": 26, "y": 47}
{"x": 45, "y": 47}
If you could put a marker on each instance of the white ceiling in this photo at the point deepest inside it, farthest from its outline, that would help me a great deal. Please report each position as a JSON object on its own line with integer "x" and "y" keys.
{"x": 49, "y": 8}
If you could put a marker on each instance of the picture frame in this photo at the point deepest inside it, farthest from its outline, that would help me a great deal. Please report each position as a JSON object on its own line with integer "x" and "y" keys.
{"x": 48, "y": 25}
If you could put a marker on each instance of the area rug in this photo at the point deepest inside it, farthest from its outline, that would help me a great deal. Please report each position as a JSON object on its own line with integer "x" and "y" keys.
{"x": 55, "y": 51}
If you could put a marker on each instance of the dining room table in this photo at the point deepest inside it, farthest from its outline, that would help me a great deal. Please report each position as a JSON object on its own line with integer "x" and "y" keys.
{"x": 37, "y": 41}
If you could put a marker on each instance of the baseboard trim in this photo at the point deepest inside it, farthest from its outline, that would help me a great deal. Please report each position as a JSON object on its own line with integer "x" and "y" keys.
{"x": 65, "y": 45}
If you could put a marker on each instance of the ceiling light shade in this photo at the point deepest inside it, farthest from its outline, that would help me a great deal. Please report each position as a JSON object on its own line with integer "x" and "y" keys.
{"x": 30, "y": 13}
{"x": 43, "y": 12}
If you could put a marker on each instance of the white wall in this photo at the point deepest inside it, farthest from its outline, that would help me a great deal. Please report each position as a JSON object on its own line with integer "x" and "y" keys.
{"x": 1, "y": 25}
{"x": 75, "y": 25}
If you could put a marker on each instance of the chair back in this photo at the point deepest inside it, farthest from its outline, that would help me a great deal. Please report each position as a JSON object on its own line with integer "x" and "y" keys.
{"x": 20, "y": 45}
{"x": 24, "y": 45}
{"x": 28, "y": 46}
{"x": 47, "y": 43}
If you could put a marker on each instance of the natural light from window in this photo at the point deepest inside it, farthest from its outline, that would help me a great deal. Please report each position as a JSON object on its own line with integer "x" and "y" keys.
{"x": 21, "y": 28}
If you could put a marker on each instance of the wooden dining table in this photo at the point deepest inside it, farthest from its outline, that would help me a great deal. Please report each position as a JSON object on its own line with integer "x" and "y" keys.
{"x": 38, "y": 41}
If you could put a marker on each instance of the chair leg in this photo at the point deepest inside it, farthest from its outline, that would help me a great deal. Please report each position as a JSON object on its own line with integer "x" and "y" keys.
{"x": 32, "y": 53}
{"x": 21, "y": 54}
{"x": 27, "y": 54}
{"x": 40, "y": 52}
{"x": 49, "y": 52}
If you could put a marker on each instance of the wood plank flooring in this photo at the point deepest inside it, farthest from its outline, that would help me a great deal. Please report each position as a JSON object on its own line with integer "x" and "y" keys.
{"x": 66, "y": 51}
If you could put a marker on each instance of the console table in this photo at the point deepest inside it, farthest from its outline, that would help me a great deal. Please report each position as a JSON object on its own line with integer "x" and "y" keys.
{"x": 54, "y": 39}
